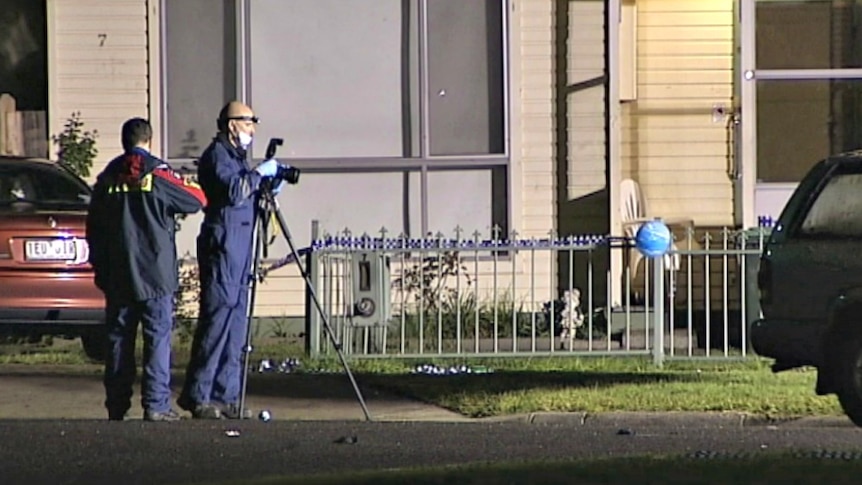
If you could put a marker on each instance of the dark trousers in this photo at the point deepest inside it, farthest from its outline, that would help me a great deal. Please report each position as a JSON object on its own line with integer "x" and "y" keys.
{"x": 122, "y": 320}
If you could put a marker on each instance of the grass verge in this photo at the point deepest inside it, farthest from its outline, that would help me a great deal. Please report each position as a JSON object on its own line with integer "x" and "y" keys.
{"x": 537, "y": 384}
{"x": 596, "y": 385}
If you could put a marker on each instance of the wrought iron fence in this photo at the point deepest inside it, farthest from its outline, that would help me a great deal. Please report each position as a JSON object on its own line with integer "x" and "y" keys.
{"x": 515, "y": 296}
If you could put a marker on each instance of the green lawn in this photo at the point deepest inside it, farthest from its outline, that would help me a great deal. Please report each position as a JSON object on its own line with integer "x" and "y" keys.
{"x": 523, "y": 385}
{"x": 601, "y": 385}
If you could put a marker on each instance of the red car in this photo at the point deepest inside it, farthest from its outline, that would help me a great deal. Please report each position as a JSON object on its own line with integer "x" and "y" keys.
{"x": 46, "y": 283}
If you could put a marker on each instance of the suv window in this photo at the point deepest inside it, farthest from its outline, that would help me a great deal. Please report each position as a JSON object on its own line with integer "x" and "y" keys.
{"x": 837, "y": 210}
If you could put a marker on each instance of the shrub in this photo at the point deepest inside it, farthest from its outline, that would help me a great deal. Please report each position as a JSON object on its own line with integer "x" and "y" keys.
{"x": 186, "y": 301}
{"x": 76, "y": 148}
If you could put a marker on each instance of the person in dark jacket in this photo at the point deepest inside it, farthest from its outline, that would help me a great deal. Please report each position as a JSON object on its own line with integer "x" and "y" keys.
{"x": 224, "y": 250}
{"x": 130, "y": 231}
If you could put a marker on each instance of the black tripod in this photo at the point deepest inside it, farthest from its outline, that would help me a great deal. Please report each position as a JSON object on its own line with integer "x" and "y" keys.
{"x": 267, "y": 206}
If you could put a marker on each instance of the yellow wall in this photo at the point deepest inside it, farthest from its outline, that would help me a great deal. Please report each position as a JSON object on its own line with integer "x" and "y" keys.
{"x": 671, "y": 144}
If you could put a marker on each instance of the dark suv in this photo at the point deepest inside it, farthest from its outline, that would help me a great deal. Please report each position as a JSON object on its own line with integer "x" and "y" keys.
{"x": 810, "y": 282}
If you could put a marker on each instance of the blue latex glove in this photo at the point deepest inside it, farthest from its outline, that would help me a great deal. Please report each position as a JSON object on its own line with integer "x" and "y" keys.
{"x": 267, "y": 168}
{"x": 278, "y": 187}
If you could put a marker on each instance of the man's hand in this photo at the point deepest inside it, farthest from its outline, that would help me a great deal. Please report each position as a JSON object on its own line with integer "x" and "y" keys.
{"x": 267, "y": 168}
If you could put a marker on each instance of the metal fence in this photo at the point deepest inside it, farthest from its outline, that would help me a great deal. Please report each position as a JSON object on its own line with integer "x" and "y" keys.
{"x": 512, "y": 296}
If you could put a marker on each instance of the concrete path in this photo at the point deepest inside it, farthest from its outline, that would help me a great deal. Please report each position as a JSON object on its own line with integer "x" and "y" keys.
{"x": 49, "y": 392}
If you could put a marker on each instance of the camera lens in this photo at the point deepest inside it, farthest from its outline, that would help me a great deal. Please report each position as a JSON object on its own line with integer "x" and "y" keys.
{"x": 288, "y": 174}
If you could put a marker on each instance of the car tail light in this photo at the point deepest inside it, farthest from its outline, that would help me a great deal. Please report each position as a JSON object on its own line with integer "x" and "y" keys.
{"x": 764, "y": 280}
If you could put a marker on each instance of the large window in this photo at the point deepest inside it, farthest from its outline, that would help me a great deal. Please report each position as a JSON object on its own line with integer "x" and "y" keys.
{"x": 200, "y": 71}
{"x": 809, "y": 34}
{"x": 465, "y": 77}
{"x": 341, "y": 78}
{"x": 376, "y": 101}
{"x": 380, "y": 78}
{"x": 802, "y": 121}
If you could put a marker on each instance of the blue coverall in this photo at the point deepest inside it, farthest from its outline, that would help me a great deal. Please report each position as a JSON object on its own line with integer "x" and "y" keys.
{"x": 224, "y": 250}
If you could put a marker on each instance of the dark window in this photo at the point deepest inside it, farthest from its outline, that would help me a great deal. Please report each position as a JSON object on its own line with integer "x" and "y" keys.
{"x": 24, "y": 54}
{"x": 810, "y": 34}
{"x": 465, "y": 72}
{"x": 46, "y": 186}
{"x": 200, "y": 71}
{"x": 837, "y": 210}
{"x": 24, "y": 72}
{"x": 802, "y": 121}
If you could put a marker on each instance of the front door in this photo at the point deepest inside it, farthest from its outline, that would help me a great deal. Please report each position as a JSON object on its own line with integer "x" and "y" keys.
{"x": 801, "y": 95}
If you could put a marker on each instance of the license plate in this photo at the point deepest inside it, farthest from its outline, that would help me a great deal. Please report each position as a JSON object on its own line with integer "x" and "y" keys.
{"x": 51, "y": 250}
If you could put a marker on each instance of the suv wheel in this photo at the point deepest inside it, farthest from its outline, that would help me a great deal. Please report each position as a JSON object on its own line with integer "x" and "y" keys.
{"x": 849, "y": 378}
{"x": 95, "y": 343}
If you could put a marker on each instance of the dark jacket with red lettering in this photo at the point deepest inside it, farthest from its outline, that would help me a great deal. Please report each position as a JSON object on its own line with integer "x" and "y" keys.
{"x": 130, "y": 226}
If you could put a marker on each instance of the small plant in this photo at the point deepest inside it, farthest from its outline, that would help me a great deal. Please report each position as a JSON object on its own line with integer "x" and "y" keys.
{"x": 76, "y": 148}
{"x": 179, "y": 218}
{"x": 426, "y": 280}
{"x": 280, "y": 328}
{"x": 186, "y": 301}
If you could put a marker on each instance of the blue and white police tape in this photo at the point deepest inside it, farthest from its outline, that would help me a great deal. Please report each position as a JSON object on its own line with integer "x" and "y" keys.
{"x": 435, "y": 370}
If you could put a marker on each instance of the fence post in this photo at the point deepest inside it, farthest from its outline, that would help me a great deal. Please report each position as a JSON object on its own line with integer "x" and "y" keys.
{"x": 658, "y": 311}
{"x": 312, "y": 316}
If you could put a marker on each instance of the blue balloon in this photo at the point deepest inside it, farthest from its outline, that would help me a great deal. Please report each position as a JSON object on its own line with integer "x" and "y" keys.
{"x": 653, "y": 239}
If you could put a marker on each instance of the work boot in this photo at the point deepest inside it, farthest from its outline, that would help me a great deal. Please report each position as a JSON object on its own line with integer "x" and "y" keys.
{"x": 117, "y": 414}
{"x": 169, "y": 416}
{"x": 206, "y": 411}
{"x": 231, "y": 411}
{"x": 185, "y": 403}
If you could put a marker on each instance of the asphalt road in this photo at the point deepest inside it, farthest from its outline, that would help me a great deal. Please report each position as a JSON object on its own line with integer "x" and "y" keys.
{"x": 131, "y": 452}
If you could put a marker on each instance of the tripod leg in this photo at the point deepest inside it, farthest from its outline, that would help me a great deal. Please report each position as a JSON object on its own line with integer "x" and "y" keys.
{"x": 257, "y": 245}
{"x": 337, "y": 345}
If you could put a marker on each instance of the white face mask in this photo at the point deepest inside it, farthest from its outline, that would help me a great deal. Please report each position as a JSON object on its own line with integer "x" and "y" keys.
{"x": 244, "y": 139}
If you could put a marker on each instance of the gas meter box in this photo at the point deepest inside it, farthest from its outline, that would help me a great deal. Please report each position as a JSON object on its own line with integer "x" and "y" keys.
{"x": 371, "y": 295}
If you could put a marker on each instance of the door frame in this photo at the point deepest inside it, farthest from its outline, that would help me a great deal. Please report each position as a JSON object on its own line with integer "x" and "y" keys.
{"x": 744, "y": 175}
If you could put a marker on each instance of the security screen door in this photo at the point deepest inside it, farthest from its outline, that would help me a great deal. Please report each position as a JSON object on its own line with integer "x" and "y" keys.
{"x": 801, "y": 94}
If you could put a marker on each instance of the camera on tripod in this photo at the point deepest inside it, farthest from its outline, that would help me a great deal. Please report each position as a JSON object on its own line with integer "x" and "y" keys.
{"x": 288, "y": 174}
{"x": 267, "y": 208}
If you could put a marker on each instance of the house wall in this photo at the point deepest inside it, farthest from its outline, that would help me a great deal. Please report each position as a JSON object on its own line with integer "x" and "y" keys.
{"x": 103, "y": 62}
{"x": 103, "y": 57}
{"x": 533, "y": 171}
{"x": 99, "y": 65}
{"x": 672, "y": 144}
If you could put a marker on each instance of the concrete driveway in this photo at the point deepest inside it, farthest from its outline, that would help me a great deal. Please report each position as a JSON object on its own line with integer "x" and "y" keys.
{"x": 60, "y": 392}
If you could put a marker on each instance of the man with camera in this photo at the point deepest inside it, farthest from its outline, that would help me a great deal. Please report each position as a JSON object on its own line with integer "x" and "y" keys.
{"x": 224, "y": 251}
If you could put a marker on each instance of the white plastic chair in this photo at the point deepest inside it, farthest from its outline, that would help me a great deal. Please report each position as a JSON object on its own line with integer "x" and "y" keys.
{"x": 633, "y": 214}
